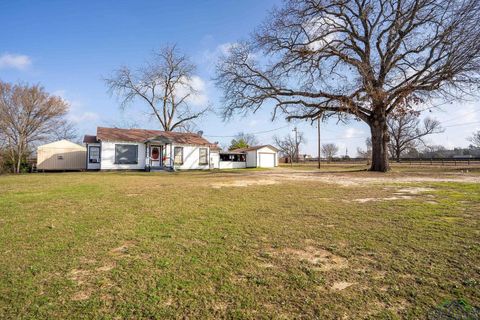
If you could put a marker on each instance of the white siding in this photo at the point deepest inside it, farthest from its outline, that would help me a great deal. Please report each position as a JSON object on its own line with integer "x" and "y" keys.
{"x": 232, "y": 165}
{"x": 107, "y": 154}
{"x": 93, "y": 166}
{"x": 252, "y": 159}
{"x": 214, "y": 160}
{"x": 191, "y": 157}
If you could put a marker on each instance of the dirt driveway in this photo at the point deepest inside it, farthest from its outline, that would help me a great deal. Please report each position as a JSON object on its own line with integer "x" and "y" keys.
{"x": 352, "y": 178}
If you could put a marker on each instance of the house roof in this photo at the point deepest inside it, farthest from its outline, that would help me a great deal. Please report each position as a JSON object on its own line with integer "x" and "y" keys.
{"x": 142, "y": 135}
{"x": 254, "y": 148}
{"x": 215, "y": 147}
{"x": 90, "y": 139}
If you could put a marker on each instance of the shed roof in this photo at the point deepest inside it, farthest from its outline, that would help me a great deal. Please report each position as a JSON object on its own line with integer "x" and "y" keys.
{"x": 90, "y": 139}
{"x": 142, "y": 135}
{"x": 255, "y": 148}
{"x": 61, "y": 144}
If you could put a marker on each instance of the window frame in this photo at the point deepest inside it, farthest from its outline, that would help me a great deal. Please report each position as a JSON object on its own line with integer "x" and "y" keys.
{"x": 129, "y": 145}
{"x": 200, "y": 156}
{"x": 90, "y": 152}
{"x": 175, "y": 156}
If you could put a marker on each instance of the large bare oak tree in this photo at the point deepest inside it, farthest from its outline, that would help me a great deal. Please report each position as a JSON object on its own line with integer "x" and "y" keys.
{"x": 359, "y": 58}
{"x": 165, "y": 84}
{"x": 28, "y": 115}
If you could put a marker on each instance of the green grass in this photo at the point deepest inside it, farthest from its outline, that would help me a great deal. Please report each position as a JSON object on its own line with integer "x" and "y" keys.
{"x": 153, "y": 245}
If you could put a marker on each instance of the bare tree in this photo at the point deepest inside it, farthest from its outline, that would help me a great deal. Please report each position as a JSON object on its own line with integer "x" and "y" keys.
{"x": 289, "y": 146}
{"x": 66, "y": 130}
{"x": 367, "y": 153}
{"x": 362, "y": 59}
{"x": 28, "y": 115}
{"x": 165, "y": 84}
{"x": 249, "y": 138}
{"x": 406, "y": 132}
{"x": 475, "y": 139}
{"x": 329, "y": 150}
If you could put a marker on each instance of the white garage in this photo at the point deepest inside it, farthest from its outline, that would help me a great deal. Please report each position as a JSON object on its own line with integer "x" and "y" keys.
{"x": 266, "y": 160}
{"x": 265, "y": 156}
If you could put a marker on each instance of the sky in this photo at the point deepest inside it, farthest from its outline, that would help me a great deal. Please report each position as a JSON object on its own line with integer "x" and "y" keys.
{"x": 70, "y": 47}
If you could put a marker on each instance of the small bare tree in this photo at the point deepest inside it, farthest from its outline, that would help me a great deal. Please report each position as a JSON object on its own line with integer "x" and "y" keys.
{"x": 329, "y": 150}
{"x": 475, "y": 139}
{"x": 288, "y": 146}
{"x": 28, "y": 115}
{"x": 67, "y": 131}
{"x": 165, "y": 84}
{"x": 406, "y": 132}
{"x": 362, "y": 59}
{"x": 367, "y": 153}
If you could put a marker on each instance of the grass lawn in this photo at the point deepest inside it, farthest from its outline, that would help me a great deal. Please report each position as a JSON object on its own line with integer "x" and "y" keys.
{"x": 238, "y": 244}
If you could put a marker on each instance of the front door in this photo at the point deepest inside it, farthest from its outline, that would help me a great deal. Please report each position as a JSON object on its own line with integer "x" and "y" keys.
{"x": 155, "y": 156}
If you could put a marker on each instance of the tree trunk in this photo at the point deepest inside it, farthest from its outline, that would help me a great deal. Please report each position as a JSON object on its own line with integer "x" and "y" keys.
{"x": 378, "y": 128}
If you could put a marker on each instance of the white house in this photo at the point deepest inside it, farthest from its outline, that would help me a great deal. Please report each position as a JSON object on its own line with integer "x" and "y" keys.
{"x": 141, "y": 149}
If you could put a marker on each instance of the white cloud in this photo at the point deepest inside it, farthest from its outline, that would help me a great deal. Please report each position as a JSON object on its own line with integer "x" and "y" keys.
{"x": 210, "y": 57}
{"x": 200, "y": 98}
{"x": 15, "y": 61}
{"x": 83, "y": 117}
{"x": 352, "y": 132}
{"x": 77, "y": 113}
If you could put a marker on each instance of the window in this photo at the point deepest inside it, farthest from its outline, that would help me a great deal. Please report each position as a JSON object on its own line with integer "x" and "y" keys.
{"x": 203, "y": 157}
{"x": 93, "y": 154}
{"x": 126, "y": 154}
{"x": 59, "y": 157}
{"x": 178, "y": 152}
{"x": 233, "y": 157}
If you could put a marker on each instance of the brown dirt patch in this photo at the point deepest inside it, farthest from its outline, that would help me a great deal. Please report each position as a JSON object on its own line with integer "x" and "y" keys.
{"x": 323, "y": 259}
{"x": 348, "y": 179}
{"x": 243, "y": 183}
{"x": 107, "y": 267}
{"x": 82, "y": 295}
{"x": 341, "y": 285}
{"x": 415, "y": 190}
{"x": 123, "y": 249}
{"x": 80, "y": 276}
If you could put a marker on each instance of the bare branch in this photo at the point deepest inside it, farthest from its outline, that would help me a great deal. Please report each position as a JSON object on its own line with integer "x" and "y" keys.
{"x": 164, "y": 84}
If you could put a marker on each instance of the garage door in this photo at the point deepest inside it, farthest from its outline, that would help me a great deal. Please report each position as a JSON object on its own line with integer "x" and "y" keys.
{"x": 267, "y": 160}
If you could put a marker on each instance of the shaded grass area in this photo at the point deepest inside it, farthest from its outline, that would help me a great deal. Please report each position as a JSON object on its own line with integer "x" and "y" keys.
{"x": 137, "y": 245}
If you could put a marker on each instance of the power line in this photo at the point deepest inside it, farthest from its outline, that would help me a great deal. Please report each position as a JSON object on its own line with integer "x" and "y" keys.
{"x": 259, "y": 132}
{"x": 462, "y": 124}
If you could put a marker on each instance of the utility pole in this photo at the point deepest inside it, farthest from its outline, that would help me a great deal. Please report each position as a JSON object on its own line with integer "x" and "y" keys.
{"x": 319, "y": 145}
{"x": 296, "y": 143}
